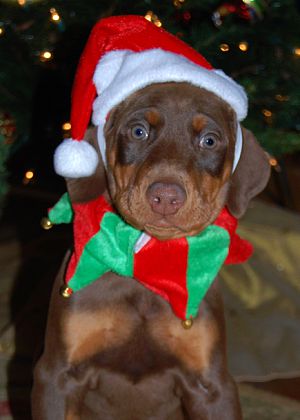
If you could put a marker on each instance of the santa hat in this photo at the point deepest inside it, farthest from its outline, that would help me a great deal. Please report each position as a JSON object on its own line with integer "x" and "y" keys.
{"x": 124, "y": 54}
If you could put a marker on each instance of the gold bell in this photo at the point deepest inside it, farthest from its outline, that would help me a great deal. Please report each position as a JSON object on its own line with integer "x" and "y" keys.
{"x": 65, "y": 291}
{"x": 187, "y": 323}
{"x": 46, "y": 223}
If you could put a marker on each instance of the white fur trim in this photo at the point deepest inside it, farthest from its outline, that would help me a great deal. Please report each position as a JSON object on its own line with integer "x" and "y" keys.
{"x": 238, "y": 147}
{"x": 75, "y": 159}
{"x": 121, "y": 73}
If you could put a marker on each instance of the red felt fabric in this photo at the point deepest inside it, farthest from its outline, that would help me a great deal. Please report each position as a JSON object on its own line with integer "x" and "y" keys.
{"x": 162, "y": 266}
{"x": 86, "y": 223}
{"x": 240, "y": 249}
{"x": 133, "y": 33}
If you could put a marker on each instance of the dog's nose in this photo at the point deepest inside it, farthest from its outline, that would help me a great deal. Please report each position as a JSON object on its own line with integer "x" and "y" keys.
{"x": 165, "y": 199}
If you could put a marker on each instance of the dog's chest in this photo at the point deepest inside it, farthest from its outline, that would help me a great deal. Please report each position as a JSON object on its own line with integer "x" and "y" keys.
{"x": 119, "y": 325}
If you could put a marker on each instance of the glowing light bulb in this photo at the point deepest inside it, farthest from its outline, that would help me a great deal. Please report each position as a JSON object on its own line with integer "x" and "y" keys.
{"x": 149, "y": 15}
{"x": 66, "y": 126}
{"x": 267, "y": 113}
{"x": 273, "y": 161}
{"x": 243, "y": 46}
{"x": 297, "y": 51}
{"x": 45, "y": 56}
{"x": 178, "y": 3}
{"x": 54, "y": 15}
{"x": 29, "y": 174}
{"x": 281, "y": 98}
{"x": 224, "y": 47}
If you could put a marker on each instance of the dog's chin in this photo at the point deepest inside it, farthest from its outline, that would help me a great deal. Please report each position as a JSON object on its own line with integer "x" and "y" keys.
{"x": 164, "y": 233}
{"x": 167, "y": 233}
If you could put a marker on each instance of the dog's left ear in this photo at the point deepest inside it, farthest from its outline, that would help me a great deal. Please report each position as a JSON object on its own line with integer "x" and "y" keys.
{"x": 85, "y": 189}
{"x": 250, "y": 176}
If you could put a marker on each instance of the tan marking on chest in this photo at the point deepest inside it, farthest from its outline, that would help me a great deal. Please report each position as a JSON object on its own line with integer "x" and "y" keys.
{"x": 192, "y": 346}
{"x": 88, "y": 333}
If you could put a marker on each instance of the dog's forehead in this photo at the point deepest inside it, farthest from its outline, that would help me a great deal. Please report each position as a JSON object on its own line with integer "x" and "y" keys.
{"x": 182, "y": 98}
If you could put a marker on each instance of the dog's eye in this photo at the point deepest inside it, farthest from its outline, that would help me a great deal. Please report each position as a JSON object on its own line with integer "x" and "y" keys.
{"x": 139, "y": 132}
{"x": 208, "y": 141}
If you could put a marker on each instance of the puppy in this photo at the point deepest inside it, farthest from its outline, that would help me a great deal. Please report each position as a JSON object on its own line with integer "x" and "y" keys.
{"x": 115, "y": 350}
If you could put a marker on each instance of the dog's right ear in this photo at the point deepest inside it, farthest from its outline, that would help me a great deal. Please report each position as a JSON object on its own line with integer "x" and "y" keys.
{"x": 88, "y": 188}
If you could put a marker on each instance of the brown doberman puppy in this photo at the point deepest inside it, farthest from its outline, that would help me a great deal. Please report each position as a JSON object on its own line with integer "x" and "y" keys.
{"x": 115, "y": 350}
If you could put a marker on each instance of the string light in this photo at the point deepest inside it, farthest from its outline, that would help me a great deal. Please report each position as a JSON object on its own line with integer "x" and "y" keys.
{"x": 151, "y": 17}
{"x": 273, "y": 161}
{"x": 45, "y": 56}
{"x": 243, "y": 46}
{"x": 268, "y": 116}
{"x": 224, "y": 47}
{"x": 178, "y": 3}
{"x": 267, "y": 113}
{"x": 66, "y": 126}
{"x": 281, "y": 98}
{"x": 297, "y": 51}
{"x": 22, "y": 2}
{"x": 1, "y": 31}
{"x": 54, "y": 15}
{"x": 28, "y": 176}
{"x": 148, "y": 15}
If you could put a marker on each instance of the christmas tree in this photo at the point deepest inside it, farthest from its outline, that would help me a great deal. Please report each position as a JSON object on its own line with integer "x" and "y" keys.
{"x": 254, "y": 41}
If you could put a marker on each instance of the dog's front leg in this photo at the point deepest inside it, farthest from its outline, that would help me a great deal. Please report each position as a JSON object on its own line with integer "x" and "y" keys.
{"x": 226, "y": 405}
{"x": 203, "y": 399}
{"x": 208, "y": 391}
{"x": 56, "y": 393}
{"x": 47, "y": 399}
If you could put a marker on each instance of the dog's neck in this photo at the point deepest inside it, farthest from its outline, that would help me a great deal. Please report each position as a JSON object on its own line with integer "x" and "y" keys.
{"x": 180, "y": 270}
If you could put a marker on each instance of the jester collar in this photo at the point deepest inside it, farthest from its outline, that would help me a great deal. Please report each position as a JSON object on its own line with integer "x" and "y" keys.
{"x": 180, "y": 270}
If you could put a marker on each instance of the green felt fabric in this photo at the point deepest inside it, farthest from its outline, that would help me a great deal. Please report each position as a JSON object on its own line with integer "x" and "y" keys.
{"x": 62, "y": 212}
{"x": 207, "y": 252}
{"x": 111, "y": 249}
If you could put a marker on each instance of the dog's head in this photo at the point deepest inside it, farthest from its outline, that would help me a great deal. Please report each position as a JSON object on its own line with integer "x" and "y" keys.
{"x": 170, "y": 150}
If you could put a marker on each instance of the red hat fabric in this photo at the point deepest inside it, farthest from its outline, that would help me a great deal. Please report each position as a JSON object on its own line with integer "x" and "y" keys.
{"x": 124, "y": 54}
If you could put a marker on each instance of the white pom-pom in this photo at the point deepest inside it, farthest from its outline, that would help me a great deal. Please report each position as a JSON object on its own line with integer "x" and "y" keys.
{"x": 75, "y": 159}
